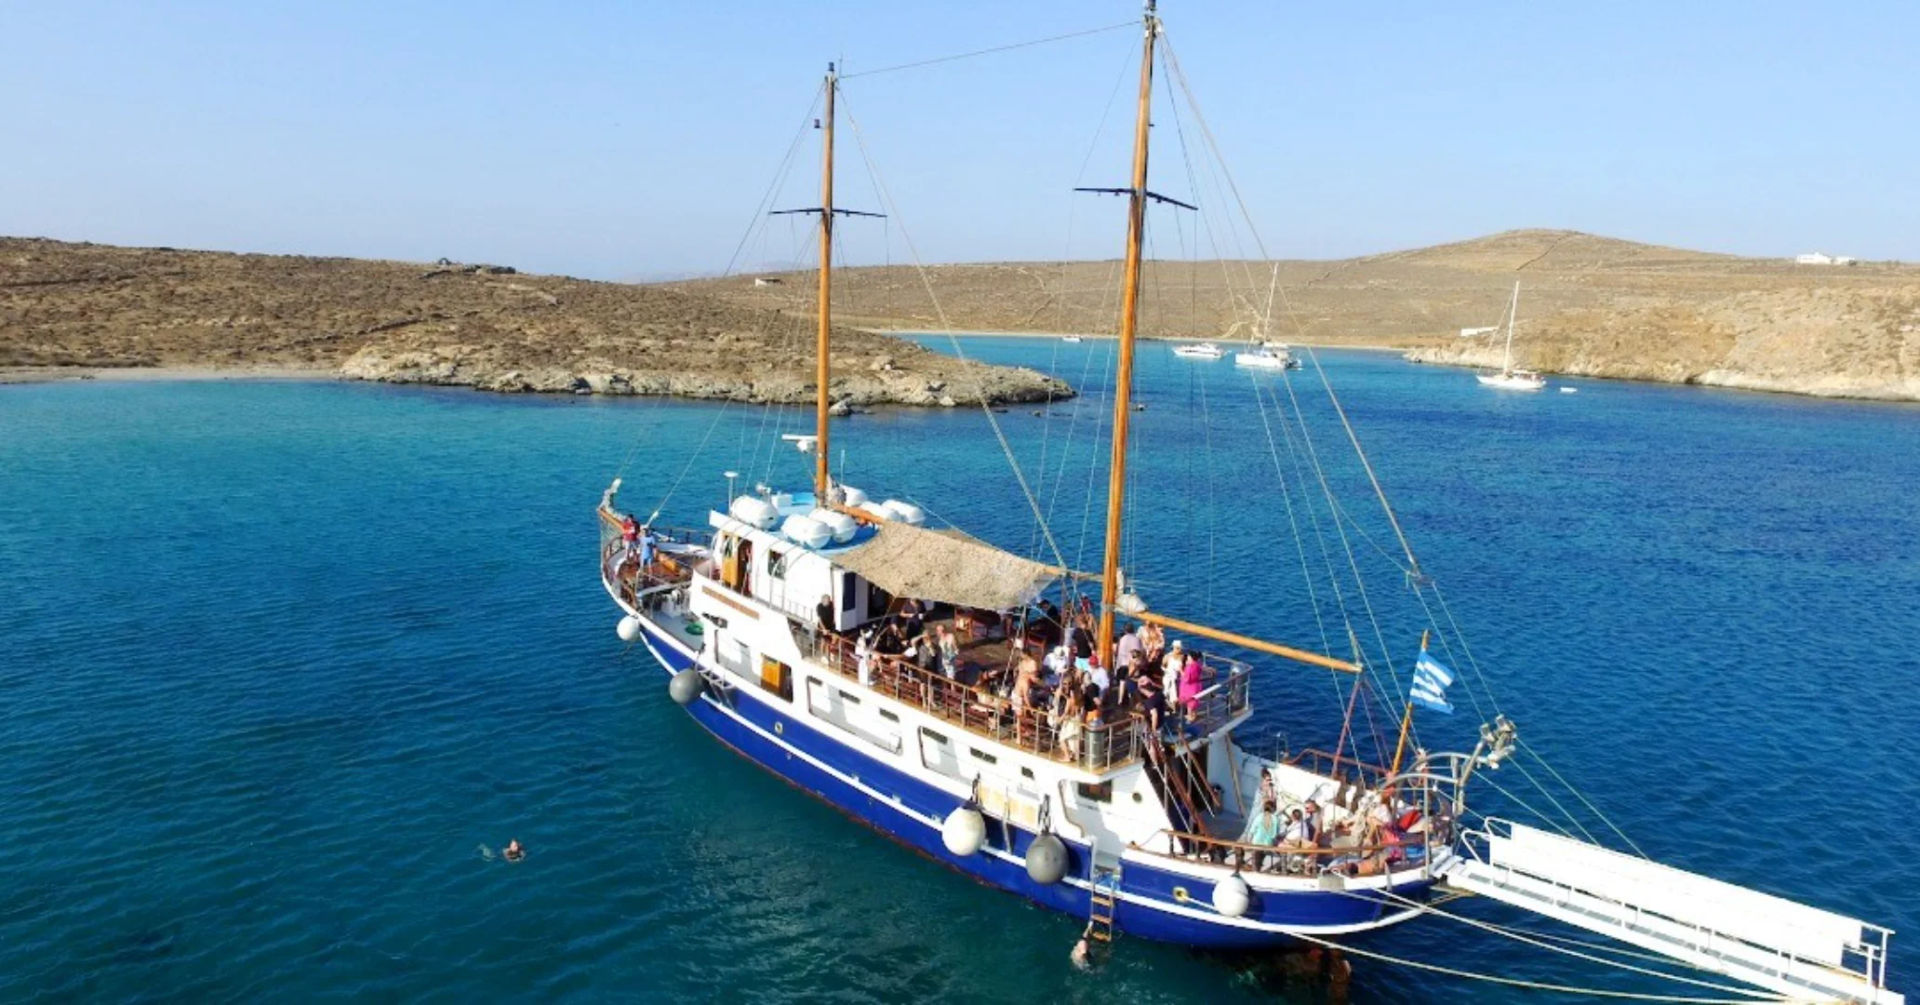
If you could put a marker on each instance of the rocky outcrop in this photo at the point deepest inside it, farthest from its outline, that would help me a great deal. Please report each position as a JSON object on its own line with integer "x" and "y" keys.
{"x": 1853, "y": 342}
{"x": 486, "y": 327}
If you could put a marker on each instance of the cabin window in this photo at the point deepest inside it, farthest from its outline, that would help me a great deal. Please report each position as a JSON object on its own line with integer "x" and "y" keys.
{"x": 847, "y": 593}
{"x": 978, "y": 756}
{"x": 776, "y": 677}
{"x": 777, "y": 564}
{"x": 1026, "y": 772}
{"x": 889, "y": 716}
{"x": 1101, "y": 792}
{"x": 931, "y": 735}
{"x": 732, "y": 653}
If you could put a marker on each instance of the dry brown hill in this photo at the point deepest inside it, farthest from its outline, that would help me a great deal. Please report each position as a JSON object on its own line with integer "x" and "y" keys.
{"x": 87, "y": 305}
{"x": 1589, "y": 305}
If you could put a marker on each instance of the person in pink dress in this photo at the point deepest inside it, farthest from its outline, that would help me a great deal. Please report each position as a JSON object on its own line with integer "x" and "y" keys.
{"x": 1190, "y": 685}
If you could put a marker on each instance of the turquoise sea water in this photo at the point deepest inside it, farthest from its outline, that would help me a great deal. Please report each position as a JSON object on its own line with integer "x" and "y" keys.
{"x": 282, "y": 663}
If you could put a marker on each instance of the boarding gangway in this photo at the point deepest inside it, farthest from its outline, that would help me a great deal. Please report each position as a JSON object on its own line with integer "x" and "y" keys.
{"x": 1801, "y": 952}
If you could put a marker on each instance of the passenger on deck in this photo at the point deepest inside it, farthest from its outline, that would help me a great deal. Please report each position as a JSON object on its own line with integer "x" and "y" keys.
{"x": 864, "y": 656}
{"x": 913, "y": 618}
{"x": 630, "y": 533}
{"x": 926, "y": 653}
{"x": 1068, "y": 724}
{"x": 1263, "y": 828}
{"x": 1153, "y": 703}
{"x": 1170, "y": 667}
{"x": 1190, "y": 679}
{"x": 1097, "y": 674}
{"x": 949, "y": 651}
{"x": 1153, "y": 642}
{"x": 1298, "y": 835}
{"x": 1025, "y": 682}
{"x": 1079, "y": 641}
{"x": 647, "y": 543}
{"x": 1127, "y": 645}
{"x": 1058, "y": 659}
{"x": 889, "y": 642}
{"x": 1311, "y": 816}
{"x": 823, "y": 618}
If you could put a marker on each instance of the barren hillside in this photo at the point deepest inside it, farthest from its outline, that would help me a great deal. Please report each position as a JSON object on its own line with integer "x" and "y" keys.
{"x": 85, "y": 305}
{"x": 1588, "y": 305}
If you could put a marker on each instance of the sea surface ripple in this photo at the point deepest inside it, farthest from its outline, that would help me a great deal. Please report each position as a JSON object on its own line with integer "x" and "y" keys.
{"x": 283, "y": 665}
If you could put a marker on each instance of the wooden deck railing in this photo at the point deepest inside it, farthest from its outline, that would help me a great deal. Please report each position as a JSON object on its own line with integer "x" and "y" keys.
{"x": 665, "y": 570}
{"x": 1096, "y": 747}
{"x": 1408, "y": 852}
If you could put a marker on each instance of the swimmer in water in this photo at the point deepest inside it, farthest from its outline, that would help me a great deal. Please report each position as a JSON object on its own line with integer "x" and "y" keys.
{"x": 1082, "y": 955}
{"x": 513, "y": 852}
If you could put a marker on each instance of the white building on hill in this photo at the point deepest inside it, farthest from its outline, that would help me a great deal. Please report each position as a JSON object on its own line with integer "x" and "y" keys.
{"x": 1817, "y": 258}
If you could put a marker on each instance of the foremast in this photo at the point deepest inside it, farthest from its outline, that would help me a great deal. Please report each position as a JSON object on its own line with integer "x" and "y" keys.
{"x": 823, "y": 366}
{"x": 1129, "y": 322}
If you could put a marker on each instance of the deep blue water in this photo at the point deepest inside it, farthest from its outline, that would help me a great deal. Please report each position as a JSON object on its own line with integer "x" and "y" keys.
{"x": 279, "y": 662}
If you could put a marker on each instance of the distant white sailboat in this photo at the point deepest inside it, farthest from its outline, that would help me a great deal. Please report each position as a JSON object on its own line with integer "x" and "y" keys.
{"x": 1070, "y": 338}
{"x": 1261, "y": 352}
{"x": 1509, "y": 378}
{"x": 1199, "y": 350}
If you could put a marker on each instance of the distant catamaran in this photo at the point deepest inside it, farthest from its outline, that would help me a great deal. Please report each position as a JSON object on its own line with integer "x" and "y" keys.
{"x": 1511, "y": 378}
{"x": 893, "y": 670}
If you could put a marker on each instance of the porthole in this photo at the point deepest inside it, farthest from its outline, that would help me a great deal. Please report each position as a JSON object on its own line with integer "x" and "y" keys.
{"x": 1137, "y": 799}
{"x": 1180, "y": 895}
{"x": 780, "y": 727}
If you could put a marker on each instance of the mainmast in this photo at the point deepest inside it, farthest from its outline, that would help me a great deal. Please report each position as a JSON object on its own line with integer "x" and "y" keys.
{"x": 1513, "y": 315}
{"x": 823, "y": 368}
{"x": 1129, "y": 321}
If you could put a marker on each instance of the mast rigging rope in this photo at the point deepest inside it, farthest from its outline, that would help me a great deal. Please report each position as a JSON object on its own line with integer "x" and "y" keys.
{"x": 990, "y": 50}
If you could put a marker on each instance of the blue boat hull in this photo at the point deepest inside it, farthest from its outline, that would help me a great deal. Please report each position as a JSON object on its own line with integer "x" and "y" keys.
{"x": 1154, "y": 903}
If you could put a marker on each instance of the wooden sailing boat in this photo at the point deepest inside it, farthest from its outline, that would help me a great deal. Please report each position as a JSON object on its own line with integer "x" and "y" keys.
{"x": 769, "y": 625}
{"x": 1511, "y": 378}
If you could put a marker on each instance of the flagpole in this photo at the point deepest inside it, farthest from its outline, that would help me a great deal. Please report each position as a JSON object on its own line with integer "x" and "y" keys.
{"x": 1406, "y": 721}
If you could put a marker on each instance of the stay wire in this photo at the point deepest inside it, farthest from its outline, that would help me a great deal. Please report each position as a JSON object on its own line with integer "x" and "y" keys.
{"x": 986, "y": 407}
{"x": 989, "y": 51}
{"x": 779, "y": 175}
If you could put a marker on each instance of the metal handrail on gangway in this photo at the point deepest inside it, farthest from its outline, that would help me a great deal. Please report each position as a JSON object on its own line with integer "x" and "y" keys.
{"x": 1764, "y": 940}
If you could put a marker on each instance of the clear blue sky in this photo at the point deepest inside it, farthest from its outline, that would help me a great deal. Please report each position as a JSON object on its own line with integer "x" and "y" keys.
{"x": 618, "y": 140}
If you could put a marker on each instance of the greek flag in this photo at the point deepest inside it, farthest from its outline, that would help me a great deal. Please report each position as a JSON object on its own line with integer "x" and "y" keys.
{"x": 1430, "y": 681}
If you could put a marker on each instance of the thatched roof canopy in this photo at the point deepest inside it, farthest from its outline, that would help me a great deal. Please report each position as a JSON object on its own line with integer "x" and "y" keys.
{"x": 947, "y": 566}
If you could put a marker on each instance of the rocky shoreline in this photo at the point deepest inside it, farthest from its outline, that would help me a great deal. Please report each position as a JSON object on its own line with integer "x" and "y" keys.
{"x": 1861, "y": 341}
{"x": 66, "y": 308}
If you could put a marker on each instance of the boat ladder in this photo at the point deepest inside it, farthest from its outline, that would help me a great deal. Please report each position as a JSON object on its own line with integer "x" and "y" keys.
{"x": 1173, "y": 767}
{"x": 1103, "y": 890}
